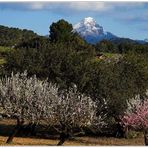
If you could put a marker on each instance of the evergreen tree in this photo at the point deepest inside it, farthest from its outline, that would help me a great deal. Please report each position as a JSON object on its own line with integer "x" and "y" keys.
{"x": 61, "y": 31}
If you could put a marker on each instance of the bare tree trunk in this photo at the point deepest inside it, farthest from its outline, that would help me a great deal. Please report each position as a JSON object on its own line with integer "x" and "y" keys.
{"x": 61, "y": 142}
{"x": 33, "y": 129}
{"x": 146, "y": 136}
{"x": 126, "y": 132}
{"x": 15, "y": 131}
{"x": 29, "y": 130}
{"x": 120, "y": 131}
{"x": 63, "y": 138}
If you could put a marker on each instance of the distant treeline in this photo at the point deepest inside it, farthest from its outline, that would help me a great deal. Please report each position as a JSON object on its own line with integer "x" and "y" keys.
{"x": 13, "y": 36}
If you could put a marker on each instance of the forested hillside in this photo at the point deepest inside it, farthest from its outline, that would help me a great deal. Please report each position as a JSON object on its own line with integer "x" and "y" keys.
{"x": 13, "y": 36}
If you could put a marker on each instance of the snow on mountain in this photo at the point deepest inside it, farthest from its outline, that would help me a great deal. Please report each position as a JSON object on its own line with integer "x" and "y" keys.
{"x": 91, "y": 31}
{"x": 146, "y": 40}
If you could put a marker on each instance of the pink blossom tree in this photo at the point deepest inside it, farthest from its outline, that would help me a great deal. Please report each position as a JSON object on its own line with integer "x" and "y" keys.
{"x": 136, "y": 117}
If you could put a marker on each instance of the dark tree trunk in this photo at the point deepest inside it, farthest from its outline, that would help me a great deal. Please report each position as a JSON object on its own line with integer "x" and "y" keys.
{"x": 33, "y": 129}
{"x": 63, "y": 138}
{"x": 146, "y": 137}
{"x": 120, "y": 131}
{"x": 61, "y": 142}
{"x": 29, "y": 130}
{"x": 126, "y": 132}
{"x": 15, "y": 131}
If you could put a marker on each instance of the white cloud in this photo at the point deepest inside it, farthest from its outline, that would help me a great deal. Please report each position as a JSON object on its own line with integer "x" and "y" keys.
{"x": 83, "y": 5}
{"x": 37, "y": 5}
{"x": 129, "y": 4}
{"x": 43, "y": 5}
{"x": 90, "y": 6}
{"x": 80, "y": 6}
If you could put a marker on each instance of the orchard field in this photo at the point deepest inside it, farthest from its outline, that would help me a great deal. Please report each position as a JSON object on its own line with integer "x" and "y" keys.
{"x": 7, "y": 124}
{"x": 62, "y": 90}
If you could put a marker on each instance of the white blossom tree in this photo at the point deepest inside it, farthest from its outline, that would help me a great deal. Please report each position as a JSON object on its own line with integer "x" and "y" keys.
{"x": 35, "y": 101}
{"x": 73, "y": 110}
{"x": 26, "y": 99}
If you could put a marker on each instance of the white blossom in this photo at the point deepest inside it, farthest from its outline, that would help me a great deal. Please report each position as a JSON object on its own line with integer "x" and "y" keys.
{"x": 33, "y": 100}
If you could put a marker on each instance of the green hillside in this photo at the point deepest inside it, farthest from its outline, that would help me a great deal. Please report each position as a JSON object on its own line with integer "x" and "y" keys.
{"x": 13, "y": 36}
{"x": 4, "y": 51}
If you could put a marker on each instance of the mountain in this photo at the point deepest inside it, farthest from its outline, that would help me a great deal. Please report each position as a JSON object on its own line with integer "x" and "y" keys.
{"x": 146, "y": 40}
{"x": 91, "y": 31}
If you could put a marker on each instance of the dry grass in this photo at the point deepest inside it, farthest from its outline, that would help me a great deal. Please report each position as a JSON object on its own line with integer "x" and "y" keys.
{"x": 83, "y": 141}
{"x": 80, "y": 141}
{"x": 7, "y": 122}
{"x": 36, "y": 141}
{"x": 114, "y": 141}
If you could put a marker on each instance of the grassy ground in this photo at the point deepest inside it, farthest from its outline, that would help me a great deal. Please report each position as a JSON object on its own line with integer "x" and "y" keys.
{"x": 6, "y": 126}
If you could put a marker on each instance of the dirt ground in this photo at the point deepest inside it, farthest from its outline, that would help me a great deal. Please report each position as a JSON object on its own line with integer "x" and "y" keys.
{"x": 6, "y": 126}
{"x": 83, "y": 141}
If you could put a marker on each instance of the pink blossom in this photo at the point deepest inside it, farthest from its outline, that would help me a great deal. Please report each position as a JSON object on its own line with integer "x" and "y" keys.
{"x": 138, "y": 117}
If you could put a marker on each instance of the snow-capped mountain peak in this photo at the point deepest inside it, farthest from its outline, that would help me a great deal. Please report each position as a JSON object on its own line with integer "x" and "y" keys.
{"x": 146, "y": 40}
{"x": 88, "y": 26}
{"x": 91, "y": 31}
{"x": 89, "y": 21}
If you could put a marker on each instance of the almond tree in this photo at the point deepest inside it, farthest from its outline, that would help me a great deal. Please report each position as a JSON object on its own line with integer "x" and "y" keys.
{"x": 73, "y": 110}
{"x": 136, "y": 116}
{"x": 32, "y": 100}
{"x": 26, "y": 99}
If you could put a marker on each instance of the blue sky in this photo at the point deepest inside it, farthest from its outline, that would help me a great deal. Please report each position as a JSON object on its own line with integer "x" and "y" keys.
{"x": 124, "y": 19}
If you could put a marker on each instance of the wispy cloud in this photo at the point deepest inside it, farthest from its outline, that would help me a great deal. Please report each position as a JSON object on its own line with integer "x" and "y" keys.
{"x": 81, "y": 6}
{"x": 22, "y": 6}
{"x": 89, "y": 6}
{"x": 36, "y": 6}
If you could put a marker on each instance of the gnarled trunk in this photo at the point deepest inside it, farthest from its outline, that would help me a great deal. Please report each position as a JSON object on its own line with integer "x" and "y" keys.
{"x": 146, "y": 136}
{"x": 120, "y": 131}
{"x": 33, "y": 129}
{"x": 65, "y": 134}
{"x": 63, "y": 138}
{"x": 126, "y": 132}
{"x": 30, "y": 129}
{"x": 15, "y": 131}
